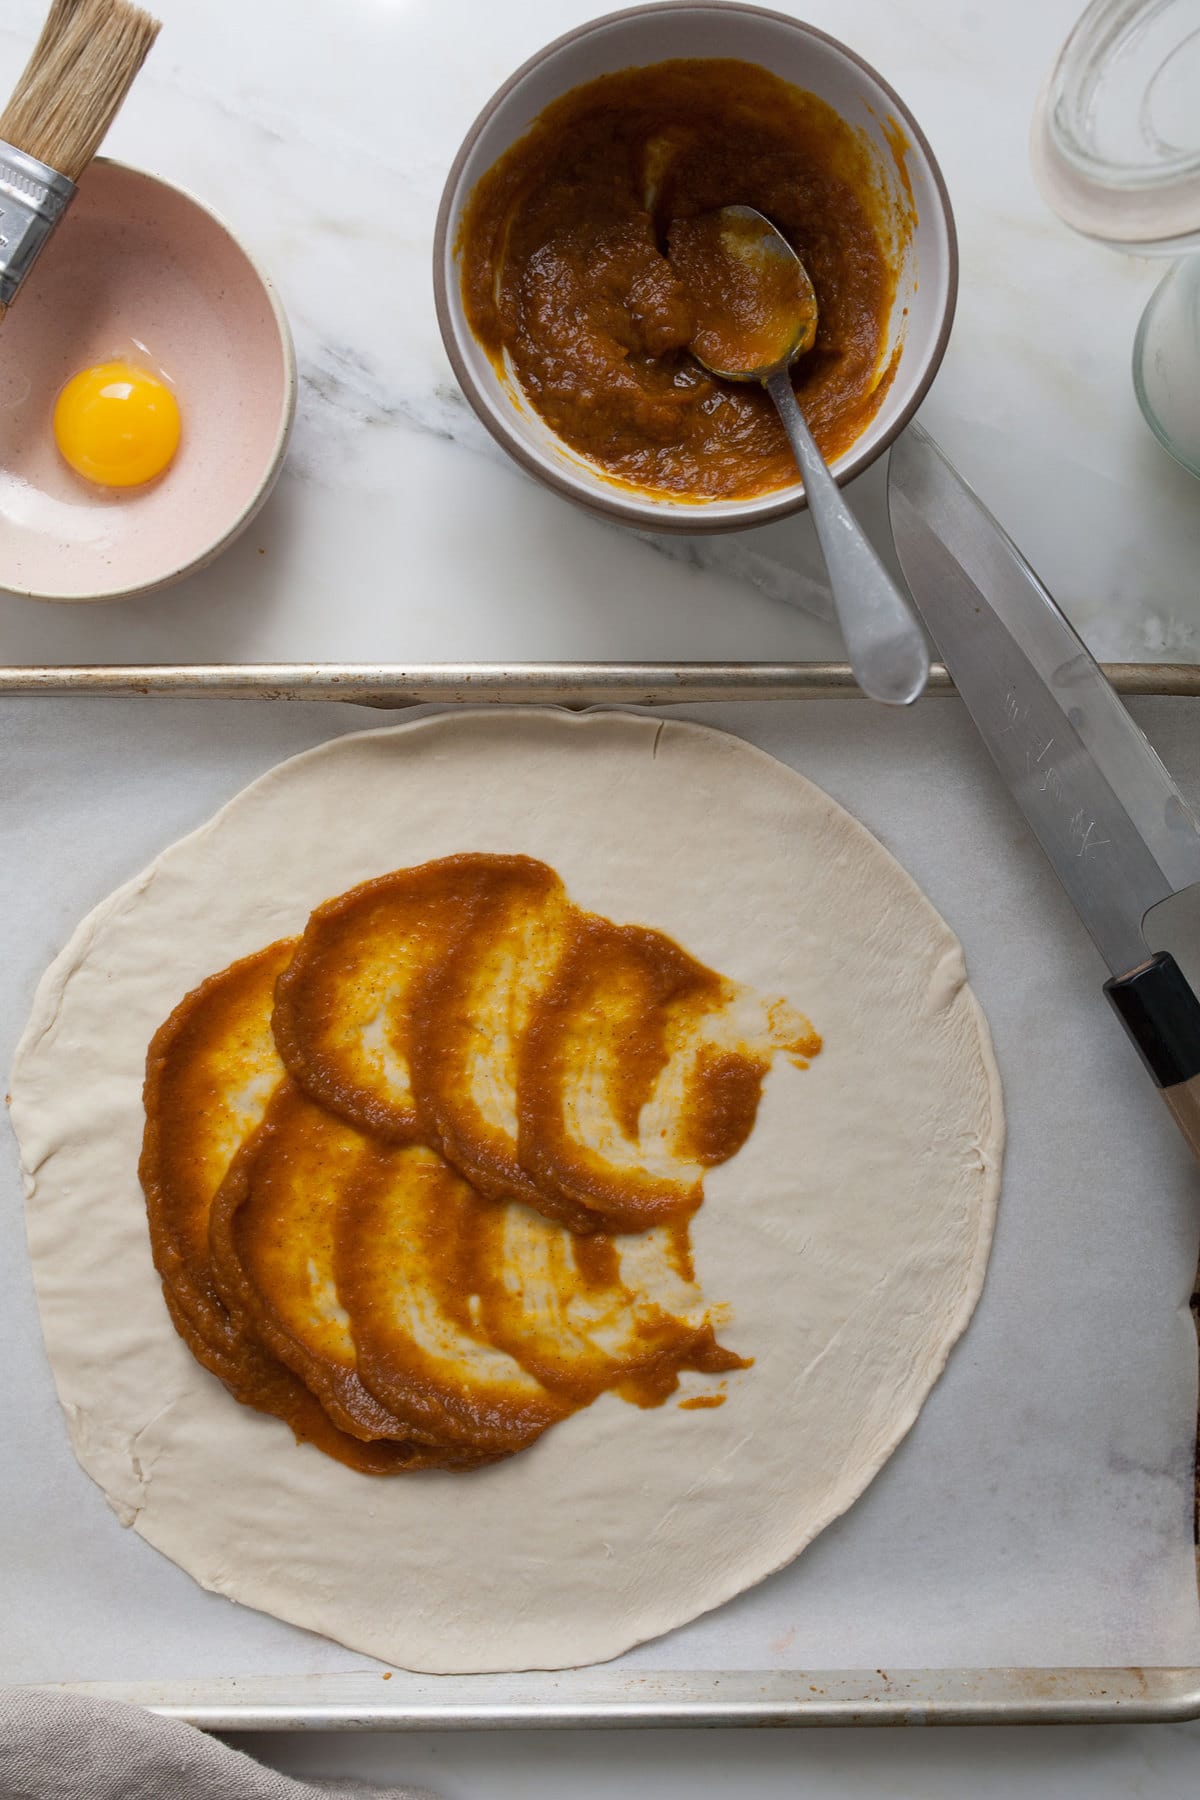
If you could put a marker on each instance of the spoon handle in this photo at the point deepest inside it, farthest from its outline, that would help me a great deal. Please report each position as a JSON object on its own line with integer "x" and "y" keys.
{"x": 884, "y": 642}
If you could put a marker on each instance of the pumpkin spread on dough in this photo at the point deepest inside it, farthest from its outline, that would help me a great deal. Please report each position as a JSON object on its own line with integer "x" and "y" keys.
{"x": 419, "y": 1181}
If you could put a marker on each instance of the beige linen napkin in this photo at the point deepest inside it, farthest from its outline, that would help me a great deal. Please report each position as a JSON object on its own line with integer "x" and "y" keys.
{"x": 56, "y": 1746}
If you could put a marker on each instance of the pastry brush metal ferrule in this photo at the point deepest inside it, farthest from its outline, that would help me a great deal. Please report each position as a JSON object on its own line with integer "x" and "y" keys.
{"x": 81, "y": 69}
{"x": 33, "y": 198}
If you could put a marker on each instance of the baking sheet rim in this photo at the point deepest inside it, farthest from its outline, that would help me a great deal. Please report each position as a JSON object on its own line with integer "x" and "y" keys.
{"x": 550, "y": 683}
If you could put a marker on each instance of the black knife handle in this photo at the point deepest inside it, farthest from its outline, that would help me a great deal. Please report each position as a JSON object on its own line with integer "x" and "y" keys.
{"x": 1160, "y": 1012}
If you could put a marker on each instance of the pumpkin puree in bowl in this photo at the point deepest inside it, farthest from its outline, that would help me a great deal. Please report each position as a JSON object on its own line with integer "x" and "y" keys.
{"x": 568, "y": 284}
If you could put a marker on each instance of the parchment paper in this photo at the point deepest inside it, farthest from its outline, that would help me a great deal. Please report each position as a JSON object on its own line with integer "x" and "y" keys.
{"x": 1039, "y": 1513}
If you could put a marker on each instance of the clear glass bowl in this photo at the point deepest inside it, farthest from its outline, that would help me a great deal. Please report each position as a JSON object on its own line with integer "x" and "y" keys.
{"x": 1116, "y": 135}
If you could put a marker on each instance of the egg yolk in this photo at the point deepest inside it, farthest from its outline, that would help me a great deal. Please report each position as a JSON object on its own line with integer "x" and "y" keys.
{"x": 117, "y": 424}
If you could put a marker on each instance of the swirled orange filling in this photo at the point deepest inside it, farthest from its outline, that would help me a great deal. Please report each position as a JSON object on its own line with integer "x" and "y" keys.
{"x": 419, "y": 1181}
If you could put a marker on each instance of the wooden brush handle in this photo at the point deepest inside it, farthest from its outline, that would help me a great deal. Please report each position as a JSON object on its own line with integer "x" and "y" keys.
{"x": 1162, "y": 1016}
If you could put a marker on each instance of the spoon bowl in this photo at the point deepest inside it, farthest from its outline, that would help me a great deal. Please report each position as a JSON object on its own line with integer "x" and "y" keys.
{"x": 755, "y": 312}
{"x": 754, "y": 305}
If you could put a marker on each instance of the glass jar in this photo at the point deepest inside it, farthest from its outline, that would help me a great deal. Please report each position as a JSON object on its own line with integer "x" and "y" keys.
{"x": 1116, "y": 153}
{"x": 1166, "y": 363}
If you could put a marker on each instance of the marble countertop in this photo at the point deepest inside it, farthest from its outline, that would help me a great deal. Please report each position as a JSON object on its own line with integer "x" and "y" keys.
{"x": 400, "y": 532}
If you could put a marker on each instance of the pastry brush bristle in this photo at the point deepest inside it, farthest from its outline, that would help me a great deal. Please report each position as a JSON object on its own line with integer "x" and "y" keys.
{"x": 81, "y": 69}
{"x": 57, "y": 20}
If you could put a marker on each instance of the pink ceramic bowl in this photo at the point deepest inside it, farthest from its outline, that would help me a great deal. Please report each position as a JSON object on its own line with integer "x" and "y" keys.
{"x": 137, "y": 261}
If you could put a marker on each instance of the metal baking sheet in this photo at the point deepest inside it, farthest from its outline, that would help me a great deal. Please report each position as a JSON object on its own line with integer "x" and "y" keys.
{"x": 1027, "y": 1554}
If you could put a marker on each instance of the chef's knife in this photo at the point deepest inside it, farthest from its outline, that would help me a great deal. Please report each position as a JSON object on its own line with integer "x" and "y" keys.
{"x": 1112, "y": 822}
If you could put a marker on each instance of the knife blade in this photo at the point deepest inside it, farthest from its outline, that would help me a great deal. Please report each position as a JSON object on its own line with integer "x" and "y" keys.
{"x": 1113, "y": 824}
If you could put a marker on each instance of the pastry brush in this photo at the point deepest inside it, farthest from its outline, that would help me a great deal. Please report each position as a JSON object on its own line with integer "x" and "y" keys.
{"x": 81, "y": 69}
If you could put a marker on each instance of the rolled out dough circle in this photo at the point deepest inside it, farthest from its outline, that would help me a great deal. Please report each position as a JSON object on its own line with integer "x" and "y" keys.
{"x": 849, "y": 1237}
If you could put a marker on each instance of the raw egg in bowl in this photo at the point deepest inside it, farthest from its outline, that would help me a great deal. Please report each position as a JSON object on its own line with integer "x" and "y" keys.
{"x": 147, "y": 391}
{"x": 118, "y": 423}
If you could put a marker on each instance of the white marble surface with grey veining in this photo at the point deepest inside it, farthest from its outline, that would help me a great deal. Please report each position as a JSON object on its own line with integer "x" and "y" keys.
{"x": 400, "y": 532}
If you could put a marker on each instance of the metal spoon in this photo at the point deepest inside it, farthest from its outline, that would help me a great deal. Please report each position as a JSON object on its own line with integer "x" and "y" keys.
{"x": 756, "y": 313}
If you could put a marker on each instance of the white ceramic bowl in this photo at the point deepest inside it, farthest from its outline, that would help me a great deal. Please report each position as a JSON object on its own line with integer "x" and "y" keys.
{"x": 137, "y": 260}
{"x": 928, "y": 276}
